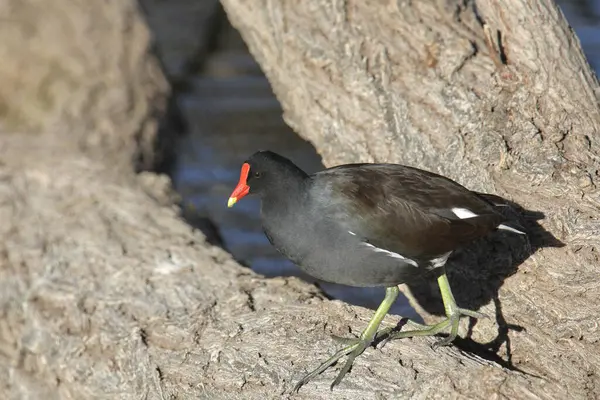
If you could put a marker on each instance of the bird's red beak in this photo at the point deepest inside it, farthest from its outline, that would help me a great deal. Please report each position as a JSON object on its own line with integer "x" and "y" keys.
{"x": 242, "y": 188}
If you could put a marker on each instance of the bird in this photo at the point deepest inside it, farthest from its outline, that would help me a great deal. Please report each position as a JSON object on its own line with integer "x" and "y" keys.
{"x": 370, "y": 225}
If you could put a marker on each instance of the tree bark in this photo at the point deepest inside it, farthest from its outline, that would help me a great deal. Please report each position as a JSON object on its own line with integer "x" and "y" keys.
{"x": 64, "y": 64}
{"x": 497, "y": 95}
{"x": 106, "y": 293}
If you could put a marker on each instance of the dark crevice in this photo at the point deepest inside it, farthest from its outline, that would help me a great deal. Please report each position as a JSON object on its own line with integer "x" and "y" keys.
{"x": 213, "y": 31}
{"x": 144, "y": 336}
{"x": 501, "y": 48}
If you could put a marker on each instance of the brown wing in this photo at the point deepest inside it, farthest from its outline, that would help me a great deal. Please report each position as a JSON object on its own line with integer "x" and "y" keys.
{"x": 403, "y": 209}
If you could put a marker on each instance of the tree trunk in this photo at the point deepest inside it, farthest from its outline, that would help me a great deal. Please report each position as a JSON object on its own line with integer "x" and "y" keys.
{"x": 496, "y": 95}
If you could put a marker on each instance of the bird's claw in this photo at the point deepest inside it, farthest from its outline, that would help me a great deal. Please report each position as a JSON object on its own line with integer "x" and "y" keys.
{"x": 354, "y": 349}
{"x": 360, "y": 346}
{"x": 442, "y": 342}
{"x": 451, "y": 321}
{"x": 470, "y": 313}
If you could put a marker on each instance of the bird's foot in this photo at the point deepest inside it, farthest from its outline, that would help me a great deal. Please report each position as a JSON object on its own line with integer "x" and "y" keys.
{"x": 452, "y": 320}
{"x": 354, "y": 348}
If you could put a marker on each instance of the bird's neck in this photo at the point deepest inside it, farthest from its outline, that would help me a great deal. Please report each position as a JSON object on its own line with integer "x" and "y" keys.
{"x": 289, "y": 197}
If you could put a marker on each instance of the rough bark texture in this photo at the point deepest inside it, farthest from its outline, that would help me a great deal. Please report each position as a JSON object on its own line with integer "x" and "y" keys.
{"x": 84, "y": 64}
{"x": 513, "y": 112}
{"x": 105, "y": 293}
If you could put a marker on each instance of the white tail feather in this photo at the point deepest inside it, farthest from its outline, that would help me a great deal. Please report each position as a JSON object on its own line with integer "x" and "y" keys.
{"x": 510, "y": 229}
{"x": 463, "y": 213}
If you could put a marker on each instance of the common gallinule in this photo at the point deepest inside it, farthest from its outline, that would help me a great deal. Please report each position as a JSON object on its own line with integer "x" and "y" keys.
{"x": 369, "y": 225}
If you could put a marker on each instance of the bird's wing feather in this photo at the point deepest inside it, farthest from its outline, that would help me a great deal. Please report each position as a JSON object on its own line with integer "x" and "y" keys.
{"x": 405, "y": 210}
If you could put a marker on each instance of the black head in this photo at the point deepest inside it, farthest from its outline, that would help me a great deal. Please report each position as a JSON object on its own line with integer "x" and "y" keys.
{"x": 265, "y": 172}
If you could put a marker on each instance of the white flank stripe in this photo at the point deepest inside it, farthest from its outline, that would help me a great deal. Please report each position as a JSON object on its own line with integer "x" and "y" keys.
{"x": 392, "y": 254}
{"x": 508, "y": 228}
{"x": 352, "y": 233}
{"x": 463, "y": 213}
{"x": 440, "y": 261}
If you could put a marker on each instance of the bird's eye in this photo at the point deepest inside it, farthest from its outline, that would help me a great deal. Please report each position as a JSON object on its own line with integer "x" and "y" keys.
{"x": 257, "y": 174}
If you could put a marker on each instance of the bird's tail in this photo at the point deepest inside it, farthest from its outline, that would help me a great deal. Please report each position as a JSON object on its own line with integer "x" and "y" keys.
{"x": 500, "y": 202}
{"x": 493, "y": 199}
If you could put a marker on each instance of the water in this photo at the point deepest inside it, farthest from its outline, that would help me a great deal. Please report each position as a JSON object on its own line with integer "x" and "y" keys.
{"x": 231, "y": 112}
{"x": 584, "y": 18}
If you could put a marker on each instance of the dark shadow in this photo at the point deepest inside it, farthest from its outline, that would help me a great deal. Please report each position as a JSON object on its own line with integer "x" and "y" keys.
{"x": 213, "y": 31}
{"x": 489, "y": 351}
{"x": 477, "y": 272}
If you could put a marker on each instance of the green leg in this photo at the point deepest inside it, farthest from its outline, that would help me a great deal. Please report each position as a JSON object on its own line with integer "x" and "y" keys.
{"x": 453, "y": 314}
{"x": 357, "y": 345}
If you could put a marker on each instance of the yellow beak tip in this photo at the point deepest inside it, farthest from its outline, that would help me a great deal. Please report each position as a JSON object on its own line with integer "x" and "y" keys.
{"x": 231, "y": 201}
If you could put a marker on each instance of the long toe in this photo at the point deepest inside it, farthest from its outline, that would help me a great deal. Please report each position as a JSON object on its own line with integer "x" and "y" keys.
{"x": 443, "y": 342}
{"x": 472, "y": 314}
{"x": 329, "y": 362}
{"x": 453, "y": 321}
{"x": 344, "y": 340}
{"x": 360, "y": 347}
